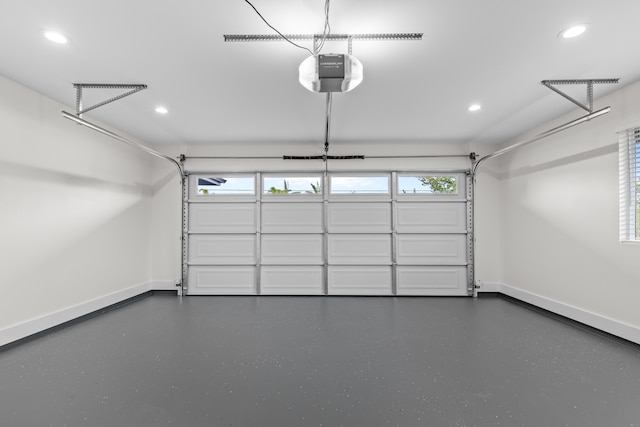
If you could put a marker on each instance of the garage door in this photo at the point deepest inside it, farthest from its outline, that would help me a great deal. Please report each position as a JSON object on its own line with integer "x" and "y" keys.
{"x": 327, "y": 234}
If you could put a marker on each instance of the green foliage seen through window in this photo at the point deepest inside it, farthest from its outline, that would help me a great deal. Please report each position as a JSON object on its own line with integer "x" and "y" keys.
{"x": 439, "y": 184}
{"x": 315, "y": 189}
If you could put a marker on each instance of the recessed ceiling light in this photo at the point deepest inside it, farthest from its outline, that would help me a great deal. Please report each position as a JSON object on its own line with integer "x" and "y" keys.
{"x": 161, "y": 110}
{"x": 56, "y": 37}
{"x": 475, "y": 107}
{"x": 572, "y": 32}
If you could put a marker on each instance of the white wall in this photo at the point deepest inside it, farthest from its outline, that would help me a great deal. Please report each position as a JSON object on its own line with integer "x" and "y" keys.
{"x": 75, "y": 212}
{"x": 559, "y": 203}
{"x": 166, "y": 223}
{"x": 84, "y": 217}
{"x": 87, "y": 221}
{"x": 488, "y": 226}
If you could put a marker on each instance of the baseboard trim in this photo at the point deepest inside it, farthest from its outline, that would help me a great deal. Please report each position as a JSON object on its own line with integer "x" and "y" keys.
{"x": 31, "y": 327}
{"x": 163, "y": 285}
{"x": 594, "y": 320}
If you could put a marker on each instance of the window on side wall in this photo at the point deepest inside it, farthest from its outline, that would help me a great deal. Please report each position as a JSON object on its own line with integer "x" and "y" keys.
{"x": 629, "y": 156}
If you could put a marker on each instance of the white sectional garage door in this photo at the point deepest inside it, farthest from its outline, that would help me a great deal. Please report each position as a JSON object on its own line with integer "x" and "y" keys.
{"x": 327, "y": 234}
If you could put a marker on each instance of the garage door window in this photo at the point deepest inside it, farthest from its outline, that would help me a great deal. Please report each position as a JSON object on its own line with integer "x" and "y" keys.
{"x": 208, "y": 186}
{"x": 359, "y": 185}
{"x": 428, "y": 184}
{"x": 292, "y": 185}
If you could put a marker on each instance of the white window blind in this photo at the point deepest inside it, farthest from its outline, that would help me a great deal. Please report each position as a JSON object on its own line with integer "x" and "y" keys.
{"x": 629, "y": 167}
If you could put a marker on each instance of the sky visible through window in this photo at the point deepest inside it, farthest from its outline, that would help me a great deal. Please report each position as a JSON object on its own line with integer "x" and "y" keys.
{"x": 359, "y": 185}
{"x": 233, "y": 185}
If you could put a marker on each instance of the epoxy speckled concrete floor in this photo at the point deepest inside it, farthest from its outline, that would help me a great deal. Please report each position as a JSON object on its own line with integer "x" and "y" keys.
{"x": 320, "y": 361}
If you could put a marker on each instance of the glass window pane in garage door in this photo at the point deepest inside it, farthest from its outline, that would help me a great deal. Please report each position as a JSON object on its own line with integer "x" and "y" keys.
{"x": 211, "y": 185}
{"x": 359, "y": 184}
{"x": 428, "y": 184}
{"x": 292, "y": 185}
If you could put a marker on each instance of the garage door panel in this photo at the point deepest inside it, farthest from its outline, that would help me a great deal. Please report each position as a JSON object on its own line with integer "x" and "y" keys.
{"x": 360, "y": 280}
{"x": 432, "y": 217}
{"x": 292, "y": 218}
{"x": 359, "y": 218}
{"x": 291, "y": 280}
{"x": 222, "y": 249}
{"x": 292, "y": 249}
{"x": 351, "y": 241}
{"x": 359, "y": 249}
{"x": 425, "y": 249}
{"x": 214, "y": 280}
{"x": 222, "y": 218}
{"x": 442, "y": 280}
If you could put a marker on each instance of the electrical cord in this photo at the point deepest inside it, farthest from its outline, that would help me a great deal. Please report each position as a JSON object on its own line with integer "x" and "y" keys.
{"x": 327, "y": 27}
{"x": 325, "y": 33}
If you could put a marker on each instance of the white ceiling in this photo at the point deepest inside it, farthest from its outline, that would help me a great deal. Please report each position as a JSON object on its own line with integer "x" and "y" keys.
{"x": 494, "y": 52}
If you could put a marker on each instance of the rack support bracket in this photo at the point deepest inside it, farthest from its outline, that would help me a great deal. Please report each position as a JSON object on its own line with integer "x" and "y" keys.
{"x": 589, "y": 86}
{"x": 80, "y": 110}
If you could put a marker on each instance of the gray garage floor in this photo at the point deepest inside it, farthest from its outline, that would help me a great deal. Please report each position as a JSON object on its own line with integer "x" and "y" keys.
{"x": 320, "y": 361}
